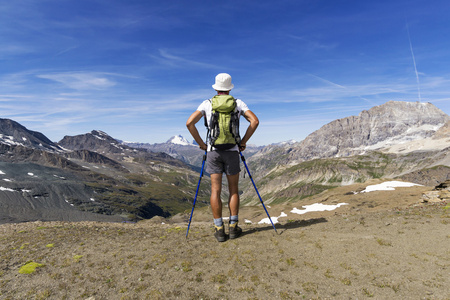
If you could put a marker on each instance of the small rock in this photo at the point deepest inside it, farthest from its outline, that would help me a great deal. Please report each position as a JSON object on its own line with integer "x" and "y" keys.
{"x": 445, "y": 195}
{"x": 180, "y": 218}
{"x": 432, "y": 196}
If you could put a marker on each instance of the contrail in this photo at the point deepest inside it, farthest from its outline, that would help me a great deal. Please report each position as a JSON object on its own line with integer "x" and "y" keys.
{"x": 339, "y": 86}
{"x": 414, "y": 61}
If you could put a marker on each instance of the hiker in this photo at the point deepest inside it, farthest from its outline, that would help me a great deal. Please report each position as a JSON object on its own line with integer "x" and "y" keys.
{"x": 223, "y": 161}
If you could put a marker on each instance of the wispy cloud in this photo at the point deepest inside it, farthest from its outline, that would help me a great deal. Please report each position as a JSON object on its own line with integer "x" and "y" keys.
{"x": 333, "y": 92}
{"x": 342, "y": 87}
{"x": 14, "y": 50}
{"x": 81, "y": 80}
{"x": 310, "y": 44}
{"x": 68, "y": 49}
{"x": 172, "y": 60}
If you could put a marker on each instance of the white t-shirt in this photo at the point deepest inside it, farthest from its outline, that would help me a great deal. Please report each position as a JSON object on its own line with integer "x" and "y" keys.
{"x": 206, "y": 109}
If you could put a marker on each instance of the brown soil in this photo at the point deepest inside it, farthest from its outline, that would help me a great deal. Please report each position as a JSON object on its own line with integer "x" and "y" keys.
{"x": 383, "y": 245}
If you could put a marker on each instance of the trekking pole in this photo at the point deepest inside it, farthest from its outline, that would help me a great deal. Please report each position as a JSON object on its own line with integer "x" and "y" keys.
{"x": 250, "y": 175}
{"x": 196, "y": 193}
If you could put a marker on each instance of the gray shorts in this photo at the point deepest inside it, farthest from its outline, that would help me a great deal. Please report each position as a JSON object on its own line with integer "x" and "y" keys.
{"x": 218, "y": 162}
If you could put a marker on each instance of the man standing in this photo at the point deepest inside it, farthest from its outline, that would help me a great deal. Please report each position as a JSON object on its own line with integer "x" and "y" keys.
{"x": 223, "y": 161}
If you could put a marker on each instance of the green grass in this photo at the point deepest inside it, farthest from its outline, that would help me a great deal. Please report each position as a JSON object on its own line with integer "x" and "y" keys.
{"x": 30, "y": 267}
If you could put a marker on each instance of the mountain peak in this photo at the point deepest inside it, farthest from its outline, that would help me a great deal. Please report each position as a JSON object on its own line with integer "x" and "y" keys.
{"x": 96, "y": 140}
{"x": 392, "y": 123}
{"x": 179, "y": 140}
{"x": 13, "y": 133}
{"x": 101, "y": 135}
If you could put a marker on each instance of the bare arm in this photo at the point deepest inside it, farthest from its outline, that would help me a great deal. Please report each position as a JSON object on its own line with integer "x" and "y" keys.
{"x": 254, "y": 122}
{"x": 190, "y": 124}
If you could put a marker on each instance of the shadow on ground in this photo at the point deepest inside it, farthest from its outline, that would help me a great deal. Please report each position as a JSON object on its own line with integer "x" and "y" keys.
{"x": 290, "y": 225}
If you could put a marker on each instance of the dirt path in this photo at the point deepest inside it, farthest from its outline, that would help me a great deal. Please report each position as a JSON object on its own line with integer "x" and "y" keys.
{"x": 386, "y": 254}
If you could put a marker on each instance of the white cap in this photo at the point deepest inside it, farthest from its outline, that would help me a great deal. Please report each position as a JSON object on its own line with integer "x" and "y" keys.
{"x": 223, "y": 82}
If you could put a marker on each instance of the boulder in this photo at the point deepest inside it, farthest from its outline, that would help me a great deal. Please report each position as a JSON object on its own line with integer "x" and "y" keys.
{"x": 431, "y": 196}
{"x": 443, "y": 186}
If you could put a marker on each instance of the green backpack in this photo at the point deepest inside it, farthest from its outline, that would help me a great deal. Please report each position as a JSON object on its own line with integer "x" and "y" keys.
{"x": 224, "y": 123}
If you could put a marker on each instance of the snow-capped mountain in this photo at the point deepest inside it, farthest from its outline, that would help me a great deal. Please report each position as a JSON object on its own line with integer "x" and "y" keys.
{"x": 177, "y": 147}
{"x": 179, "y": 140}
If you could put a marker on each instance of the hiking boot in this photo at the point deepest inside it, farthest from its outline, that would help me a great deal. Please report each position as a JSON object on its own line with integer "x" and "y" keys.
{"x": 234, "y": 230}
{"x": 219, "y": 233}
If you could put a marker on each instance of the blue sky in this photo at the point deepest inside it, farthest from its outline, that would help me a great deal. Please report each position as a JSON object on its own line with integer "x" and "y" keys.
{"x": 137, "y": 69}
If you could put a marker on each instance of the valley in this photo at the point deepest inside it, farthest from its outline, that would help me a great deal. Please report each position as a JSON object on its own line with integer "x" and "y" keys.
{"x": 94, "y": 175}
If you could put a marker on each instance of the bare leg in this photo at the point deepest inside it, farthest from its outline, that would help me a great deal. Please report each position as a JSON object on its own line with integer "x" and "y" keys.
{"x": 233, "y": 187}
{"x": 215, "y": 201}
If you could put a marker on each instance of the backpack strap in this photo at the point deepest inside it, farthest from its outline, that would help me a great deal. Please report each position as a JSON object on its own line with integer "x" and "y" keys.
{"x": 234, "y": 126}
{"x": 206, "y": 121}
{"x": 213, "y": 127}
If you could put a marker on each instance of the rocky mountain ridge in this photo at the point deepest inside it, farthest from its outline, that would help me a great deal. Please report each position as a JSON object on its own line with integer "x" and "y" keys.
{"x": 180, "y": 148}
{"x": 13, "y": 133}
{"x": 396, "y": 139}
{"x": 101, "y": 143}
{"x": 87, "y": 175}
{"x": 393, "y": 123}
{"x": 96, "y": 140}
{"x": 184, "y": 151}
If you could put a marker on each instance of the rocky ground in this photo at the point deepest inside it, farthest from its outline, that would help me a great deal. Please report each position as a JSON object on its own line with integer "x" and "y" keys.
{"x": 381, "y": 245}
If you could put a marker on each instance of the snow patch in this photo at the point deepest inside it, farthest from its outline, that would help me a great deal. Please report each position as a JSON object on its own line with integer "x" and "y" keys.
{"x": 388, "y": 186}
{"x": 413, "y": 139}
{"x": 98, "y": 137}
{"x": 6, "y": 137}
{"x": 274, "y": 219}
{"x": 284, "y": 143}
{"x": 68, "y": 202}
{"x": 316, "y": 207}
{"x": 115, "y": 145}
{"x": 3, "y": 189}
{"x": 9, "y": 140}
